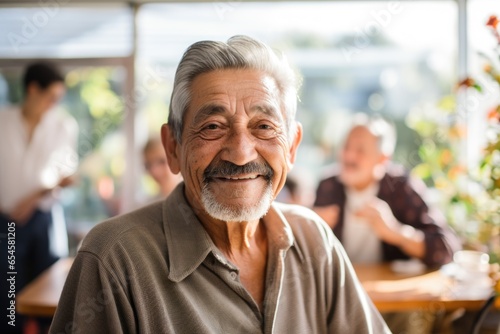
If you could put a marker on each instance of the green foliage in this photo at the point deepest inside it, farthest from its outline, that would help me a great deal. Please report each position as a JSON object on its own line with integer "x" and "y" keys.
{"x": 96, "y": 106}
{"x": 476, "y": 197}
{"x": 94, "y": 101}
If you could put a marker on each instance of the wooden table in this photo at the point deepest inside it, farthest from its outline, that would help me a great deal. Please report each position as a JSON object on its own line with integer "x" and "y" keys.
{"x": 40, "y": 297}
{"x": 388, "y": 290}
{"x": 430, "y": 290}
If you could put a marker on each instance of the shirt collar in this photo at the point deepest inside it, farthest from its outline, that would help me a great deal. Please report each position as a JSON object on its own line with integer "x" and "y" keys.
{"x": 278, "y": 229}
{"x": 189, "y": 244}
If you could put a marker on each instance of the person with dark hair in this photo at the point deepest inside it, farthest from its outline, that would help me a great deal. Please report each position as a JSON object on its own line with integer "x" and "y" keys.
{"x": 38, "y": 156}
{"x": 43, "y": 74}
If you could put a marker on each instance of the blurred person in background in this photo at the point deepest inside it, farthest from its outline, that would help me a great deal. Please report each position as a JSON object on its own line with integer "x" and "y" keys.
{"x": 38, "y": 157}
{"x": 156, "y": 165}
{"x": 374, "y": 207}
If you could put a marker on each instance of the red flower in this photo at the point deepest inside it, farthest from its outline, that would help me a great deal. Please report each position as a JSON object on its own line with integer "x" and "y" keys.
{"x": 467, "y": 82}
{"x": 492, "y": 22}
{"x": 494, "y": 114}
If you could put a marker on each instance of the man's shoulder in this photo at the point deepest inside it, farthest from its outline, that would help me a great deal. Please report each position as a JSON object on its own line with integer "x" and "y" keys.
{"x": 330, "y": 189}
{"x": 397, "y": 171}
{"x": 397, "y": 178}
{"x": 297, "y": 212}
{"x": 133, "y": 229}
{"x": 314, "y": 241}
{"x": 306, "y": 225}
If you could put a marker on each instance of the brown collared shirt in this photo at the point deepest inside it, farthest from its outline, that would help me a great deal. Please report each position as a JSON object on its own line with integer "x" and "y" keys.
{"x": 156, "y": 270}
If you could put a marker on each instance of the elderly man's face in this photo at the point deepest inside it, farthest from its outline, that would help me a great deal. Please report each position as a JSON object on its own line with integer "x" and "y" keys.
{"x": 235, "y": 152}
{"x": 360, "y": 158}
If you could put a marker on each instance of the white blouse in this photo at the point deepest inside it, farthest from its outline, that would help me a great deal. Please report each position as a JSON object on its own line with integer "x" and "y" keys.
{"x": 26, "y": 167}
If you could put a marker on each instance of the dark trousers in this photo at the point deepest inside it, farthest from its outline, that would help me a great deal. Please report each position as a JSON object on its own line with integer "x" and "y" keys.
{"x": 32, "y": 256}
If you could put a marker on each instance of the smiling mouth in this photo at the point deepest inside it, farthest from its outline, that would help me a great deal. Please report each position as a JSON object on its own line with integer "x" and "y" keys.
{"x": 237, "y": 178}
{"x": 225, "y": 171}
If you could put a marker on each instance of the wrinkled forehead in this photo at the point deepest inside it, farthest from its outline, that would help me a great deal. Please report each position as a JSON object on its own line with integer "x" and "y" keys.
{"x": 215, "y": 92}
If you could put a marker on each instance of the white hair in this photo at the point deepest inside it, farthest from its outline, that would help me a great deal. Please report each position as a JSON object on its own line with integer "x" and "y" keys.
{"x": 240, "y": 52}
{"x": 229, "y": 213}
{"x": 384, "y": 131}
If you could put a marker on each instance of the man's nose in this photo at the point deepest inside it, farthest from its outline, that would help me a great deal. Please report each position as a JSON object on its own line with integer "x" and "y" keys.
{"x": 239, "y": 147}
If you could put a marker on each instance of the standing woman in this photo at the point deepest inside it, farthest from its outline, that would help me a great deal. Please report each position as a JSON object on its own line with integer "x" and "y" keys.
{"x": 37, "y": 158}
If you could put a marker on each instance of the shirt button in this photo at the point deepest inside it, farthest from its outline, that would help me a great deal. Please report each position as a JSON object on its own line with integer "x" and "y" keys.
{"x": 234, "y": 275}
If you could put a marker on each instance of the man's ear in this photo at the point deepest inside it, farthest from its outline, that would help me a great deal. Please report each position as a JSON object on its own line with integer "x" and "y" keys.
{"x": 297, "y": 138}
{"x": 170, "y": 147}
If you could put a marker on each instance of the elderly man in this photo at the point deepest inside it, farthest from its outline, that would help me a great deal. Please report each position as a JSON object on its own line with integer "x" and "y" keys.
{"x": 374, "y": 208}
{"x": 218, "y": 256}
{"x": 376, "y": 211}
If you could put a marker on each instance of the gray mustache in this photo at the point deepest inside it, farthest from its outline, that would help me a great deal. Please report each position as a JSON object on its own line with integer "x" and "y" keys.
{"x": 228, "y": 169}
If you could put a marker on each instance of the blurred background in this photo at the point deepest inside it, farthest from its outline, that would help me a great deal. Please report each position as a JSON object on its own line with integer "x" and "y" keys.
{"x": 399, "y": 59}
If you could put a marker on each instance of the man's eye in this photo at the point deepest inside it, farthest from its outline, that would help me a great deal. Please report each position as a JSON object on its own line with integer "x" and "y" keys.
{"x": 265, "y": 127}
{"x": 265, "y": 131}
{"x": 212, "y": 131}
{"x": 211, "y": 127}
